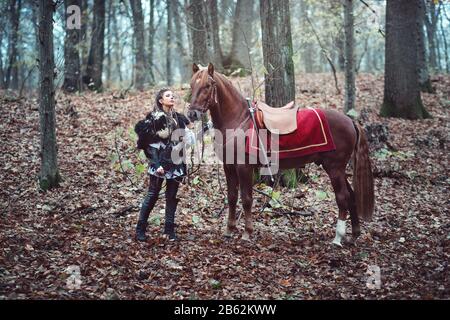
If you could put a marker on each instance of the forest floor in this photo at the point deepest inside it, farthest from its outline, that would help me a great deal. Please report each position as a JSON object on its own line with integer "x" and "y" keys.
{"x": 88, "y": 223}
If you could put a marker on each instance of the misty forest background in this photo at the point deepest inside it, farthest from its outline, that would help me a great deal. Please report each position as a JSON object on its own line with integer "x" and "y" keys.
{"x": 72, "y": 180}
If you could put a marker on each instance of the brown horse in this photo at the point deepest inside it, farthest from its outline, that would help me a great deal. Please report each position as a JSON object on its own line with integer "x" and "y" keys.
{"x": 228, "y": 109}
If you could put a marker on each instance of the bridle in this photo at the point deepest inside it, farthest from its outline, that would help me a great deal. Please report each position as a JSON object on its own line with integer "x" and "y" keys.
{"x": 212, "y": 97}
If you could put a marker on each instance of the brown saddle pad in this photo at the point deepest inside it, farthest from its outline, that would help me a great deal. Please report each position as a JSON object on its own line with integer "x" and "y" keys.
{"x": 283, "y": 119}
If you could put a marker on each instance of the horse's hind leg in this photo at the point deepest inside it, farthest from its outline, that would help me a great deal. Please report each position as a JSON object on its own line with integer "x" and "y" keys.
{"x": 245, "y": 174}
{"x": 356, "y": 230}
{"x": 232, "y": 190}
{"x": 339, "y": 183}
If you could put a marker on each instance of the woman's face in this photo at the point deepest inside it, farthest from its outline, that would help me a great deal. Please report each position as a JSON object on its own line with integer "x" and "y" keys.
{"x": 168, "y": 99}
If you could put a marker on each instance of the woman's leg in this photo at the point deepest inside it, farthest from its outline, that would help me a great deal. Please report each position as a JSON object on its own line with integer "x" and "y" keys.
{"x": 147, "y": 206}
{"x": 171, "y": 207}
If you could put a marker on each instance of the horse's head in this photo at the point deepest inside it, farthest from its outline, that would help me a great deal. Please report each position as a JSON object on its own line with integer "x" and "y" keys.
{"x": 204, "y": 91}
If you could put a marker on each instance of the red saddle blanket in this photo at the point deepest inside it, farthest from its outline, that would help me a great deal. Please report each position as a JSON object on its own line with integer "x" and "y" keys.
{"x": 312, "y": 135}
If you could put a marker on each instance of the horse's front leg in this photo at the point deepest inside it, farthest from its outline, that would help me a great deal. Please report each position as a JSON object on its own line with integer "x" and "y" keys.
{"x": 232, "y": 190}
{"x": 245, "y": 174}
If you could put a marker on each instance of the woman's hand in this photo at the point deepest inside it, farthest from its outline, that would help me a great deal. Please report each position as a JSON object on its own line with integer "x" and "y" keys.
{"x": 160, "y": 170}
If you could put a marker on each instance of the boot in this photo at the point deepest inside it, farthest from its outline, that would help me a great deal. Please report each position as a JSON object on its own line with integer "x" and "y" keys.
{"x": 147, "y": 206}
{"x": 169, "y": 229}
{"x": 171, "y": 207}
{"x": 140, "y": 230}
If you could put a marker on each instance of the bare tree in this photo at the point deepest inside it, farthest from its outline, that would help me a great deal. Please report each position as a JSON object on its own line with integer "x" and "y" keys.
{"x": 72, "y": 66}
{"x": 431, "y": 19}
{"x": 424, "y": 77}
{"x": 401, "y": 82}
{"x": 199, "y": 34}
{"x": 277, "y": 52}
{"x": 169, "y": 43}
{"x": 349, "y": 57}
{"x": 242, "y": 36}
{"x": 94, "y": 69}
{"x": 49, "y": 174}
{"x": 140, "y": 69}
{"x": 12, "y": 72}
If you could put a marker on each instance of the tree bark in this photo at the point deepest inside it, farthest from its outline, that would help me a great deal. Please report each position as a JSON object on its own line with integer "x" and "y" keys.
{"x": 241, "y": 43}
{"x": 349, "y": 56}
{"x": 277, "y": 52}
{"x": 199, "y": 44}
{"x": 215, "y": 52}
{"x": 401, "y": 83}
{"x": 49, "y": 174}
{"x": 169, "y": 43}
{"x": 151, "y": 34}
{"x": 72, "y": 66}
{"x": 94, "y": 69}
{"x": 140, "y": 69}
{"x": 84, "y": 36}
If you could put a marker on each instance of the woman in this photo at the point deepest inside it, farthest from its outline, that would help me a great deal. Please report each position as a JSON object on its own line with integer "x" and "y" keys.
{"x": 158, "y": 144}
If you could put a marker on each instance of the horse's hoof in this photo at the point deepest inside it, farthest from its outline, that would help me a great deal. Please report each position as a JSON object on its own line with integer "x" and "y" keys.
{"x": 337, "y": 242}
{"x": 229, "y": 232}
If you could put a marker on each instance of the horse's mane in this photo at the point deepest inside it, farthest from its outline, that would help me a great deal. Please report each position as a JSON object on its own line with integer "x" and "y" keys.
{"x": 220, "y": 80}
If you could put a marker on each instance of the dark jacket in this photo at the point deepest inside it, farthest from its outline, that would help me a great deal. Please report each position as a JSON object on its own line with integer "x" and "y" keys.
{"x": 157, "y": 128}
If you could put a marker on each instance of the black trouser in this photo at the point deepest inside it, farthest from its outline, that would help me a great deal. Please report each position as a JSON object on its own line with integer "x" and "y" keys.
{"x": 151, "y": 198}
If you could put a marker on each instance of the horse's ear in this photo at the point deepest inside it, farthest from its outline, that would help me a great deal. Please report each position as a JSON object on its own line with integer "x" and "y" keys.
{"x": 195, "y": 68}
{"x": 211, "y": 69}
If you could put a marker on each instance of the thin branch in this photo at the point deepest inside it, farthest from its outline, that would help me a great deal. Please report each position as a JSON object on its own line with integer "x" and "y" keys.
{"x": 324, "y": 51}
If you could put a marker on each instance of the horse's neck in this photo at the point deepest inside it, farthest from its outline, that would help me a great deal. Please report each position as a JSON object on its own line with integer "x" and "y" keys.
{"x": 231, "y": 110}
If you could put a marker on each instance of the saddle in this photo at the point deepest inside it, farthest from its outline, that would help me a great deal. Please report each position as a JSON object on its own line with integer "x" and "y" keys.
{"x": 283, "y": 119}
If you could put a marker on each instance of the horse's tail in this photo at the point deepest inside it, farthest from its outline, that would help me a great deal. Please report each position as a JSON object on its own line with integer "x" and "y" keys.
{"x": 362, "y": 177}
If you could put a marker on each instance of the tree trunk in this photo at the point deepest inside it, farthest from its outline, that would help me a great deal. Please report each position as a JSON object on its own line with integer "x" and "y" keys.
{"x": 111, "y": 12}
{"x": 431, "y": 17}
{"x": 307, "y": 50}
{"x": 184, "y": 60}
{"x": 49, "y": 174}
{"x": 94, "y": 69}
{"x": 424, "y": 77}
{"x": 117, "y": 49}
{"x": 401, "y": 82}
{"x": 242, "y": 36}
{"x": 199, "y": 45}
{"x": 277, "y": 52}
{"x": 349, "y": 57}
{"x": 2, "y": 73}
{"x": 340, "y": 46}
{"x": 151, "y": 34}
{"x": 169, "y": 43}
{"x": 12, "y": 73}
{"x": 215, "y": 52}
{"x": 72, "y": 67}
{"x": 140, "y": 69}
{"x": 444, "y": 40}
{"x": 84, "y": 36}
